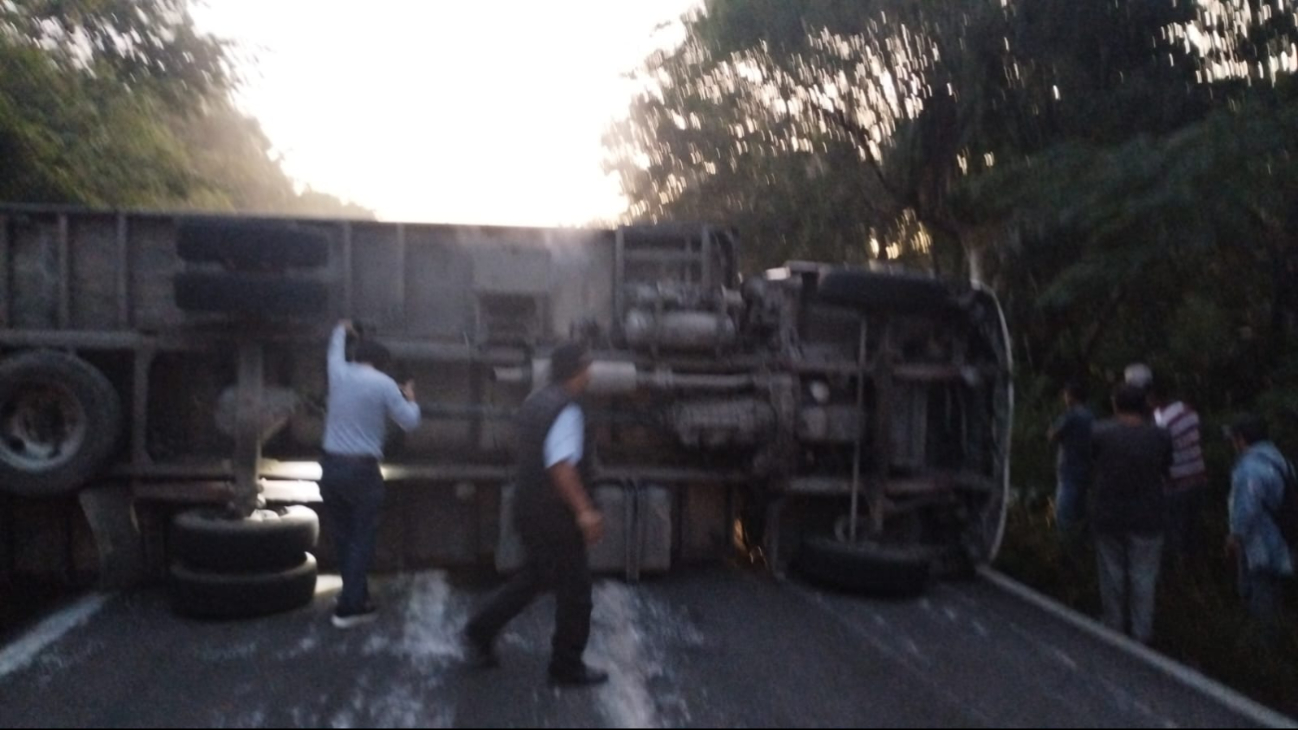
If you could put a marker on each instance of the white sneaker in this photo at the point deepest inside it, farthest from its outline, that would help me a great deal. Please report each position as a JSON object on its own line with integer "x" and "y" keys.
{"x": 366, "y": 615}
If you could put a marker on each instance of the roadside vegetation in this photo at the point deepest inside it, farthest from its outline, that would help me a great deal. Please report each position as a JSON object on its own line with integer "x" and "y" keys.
{"x": 125, "y": 104}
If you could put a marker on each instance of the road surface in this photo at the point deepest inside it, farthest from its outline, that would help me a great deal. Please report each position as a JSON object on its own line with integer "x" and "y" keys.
{"x": 705, "y": 648}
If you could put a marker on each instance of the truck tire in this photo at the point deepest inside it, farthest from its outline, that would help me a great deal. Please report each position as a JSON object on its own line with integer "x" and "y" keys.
{"x": 863, "y": 567}
{"x": 267, "y": 540}
{"x": 861, "y": 289}
{"x": 251, "y": 245}
{"x": 260, "y": 295}
{"x": 210, "y": 595}
{"x": 60, "y": 420}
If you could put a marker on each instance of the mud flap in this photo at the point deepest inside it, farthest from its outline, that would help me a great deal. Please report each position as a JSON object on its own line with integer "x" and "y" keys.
{"x": 111, "y": 514}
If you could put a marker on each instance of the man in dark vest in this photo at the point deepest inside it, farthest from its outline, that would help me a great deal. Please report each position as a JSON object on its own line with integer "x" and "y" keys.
{"x": 555, "y": 519}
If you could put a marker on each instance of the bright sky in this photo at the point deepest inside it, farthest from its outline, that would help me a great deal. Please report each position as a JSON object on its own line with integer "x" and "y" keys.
{"x": 455, "y": 111}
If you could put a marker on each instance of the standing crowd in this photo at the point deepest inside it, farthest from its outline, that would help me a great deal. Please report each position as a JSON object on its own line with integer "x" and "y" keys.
{"x": 1139, "y": 483}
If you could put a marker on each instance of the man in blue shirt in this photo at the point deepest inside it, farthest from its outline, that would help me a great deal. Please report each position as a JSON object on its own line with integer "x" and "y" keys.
{"x": 1257, "y": 487}
{"x": 1071, "y": 434}
{"x": 556, "y": 520}
{"x": 361, "y": 400}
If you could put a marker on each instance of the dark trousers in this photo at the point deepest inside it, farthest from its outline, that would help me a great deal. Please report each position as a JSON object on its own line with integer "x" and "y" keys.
{"x": 1184, "y": 526}
{"x": 1262, "y": 591}
{"x": 1070, "y": 506}
{"x": 556, "y": 562}
{"x": 352, "y": 490}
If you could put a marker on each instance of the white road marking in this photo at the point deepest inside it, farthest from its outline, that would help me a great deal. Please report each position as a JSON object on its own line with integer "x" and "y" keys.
{"x": 19, "y": 654}
{"x": 1064, "y": 658}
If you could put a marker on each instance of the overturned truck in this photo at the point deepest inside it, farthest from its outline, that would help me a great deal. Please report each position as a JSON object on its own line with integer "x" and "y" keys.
{"x": 851, "y": 422}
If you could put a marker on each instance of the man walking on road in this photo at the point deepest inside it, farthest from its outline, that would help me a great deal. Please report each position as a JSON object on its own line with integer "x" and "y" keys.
{"x": 1132, "y": 458}
{"x": 556, "y": 520}
{"x": 361, "y": 400}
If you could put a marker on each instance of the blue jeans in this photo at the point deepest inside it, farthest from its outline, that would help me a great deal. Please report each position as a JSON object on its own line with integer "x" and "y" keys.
{"x": 1129, "y": 566}
{"x": 1262, "y": 591}
{"x": 352, "y": 490}
{"x": 1070, "y": 505}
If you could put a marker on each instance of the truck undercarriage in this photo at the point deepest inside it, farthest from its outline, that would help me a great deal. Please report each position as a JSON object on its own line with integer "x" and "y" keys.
{"x": 854, "y": 422}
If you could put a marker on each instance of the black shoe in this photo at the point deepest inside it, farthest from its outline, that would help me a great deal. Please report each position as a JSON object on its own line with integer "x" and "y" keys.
{"x": 347, "y": 619}
{"x": 478, "y": 655}
{"x": 583, "y": 676}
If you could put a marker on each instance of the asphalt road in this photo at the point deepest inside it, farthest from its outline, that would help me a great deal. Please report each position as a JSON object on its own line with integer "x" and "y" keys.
{"x": 707, "y": 648}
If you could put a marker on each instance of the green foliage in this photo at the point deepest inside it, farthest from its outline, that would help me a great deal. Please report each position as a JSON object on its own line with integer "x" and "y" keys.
{"x": 123, "y": 103}
{"x": 143, "y": 45}
{"x": 69, "y": 138}
{"x": 922, "y": 96}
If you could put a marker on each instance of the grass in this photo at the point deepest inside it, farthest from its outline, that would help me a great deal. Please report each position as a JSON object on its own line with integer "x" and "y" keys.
{"x": 1199, "y": 619}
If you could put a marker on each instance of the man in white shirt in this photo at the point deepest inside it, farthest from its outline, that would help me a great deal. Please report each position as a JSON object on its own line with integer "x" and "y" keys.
{"x": 361, "y": 400}
{"x": 556, "y": 520}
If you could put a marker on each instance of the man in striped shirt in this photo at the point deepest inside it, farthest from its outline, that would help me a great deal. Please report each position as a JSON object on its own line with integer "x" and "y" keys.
{"x": 1185, "y": 490}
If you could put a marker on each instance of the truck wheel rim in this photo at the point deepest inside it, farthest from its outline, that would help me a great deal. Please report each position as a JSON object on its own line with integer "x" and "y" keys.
{"x": 42, "y": 427}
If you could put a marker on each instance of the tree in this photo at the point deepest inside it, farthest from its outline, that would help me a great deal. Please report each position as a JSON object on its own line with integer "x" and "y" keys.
{"x": 123, "y": 103}
{"x": 143, "y": 45}
{"x": 71, "y": 137}
{"x": 924, "y": 93}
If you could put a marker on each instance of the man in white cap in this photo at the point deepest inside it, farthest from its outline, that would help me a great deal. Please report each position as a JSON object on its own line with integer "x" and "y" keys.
{"x": 1139, "y": 375}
